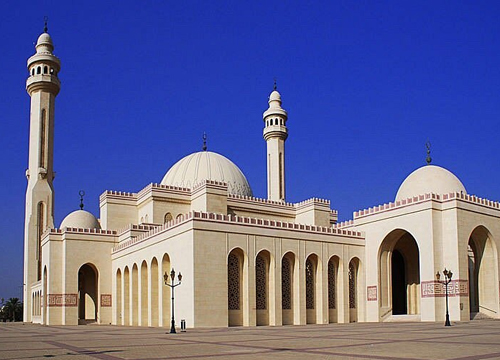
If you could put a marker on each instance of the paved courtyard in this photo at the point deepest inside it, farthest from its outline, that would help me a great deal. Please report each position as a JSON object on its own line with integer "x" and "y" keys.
{"x": 463, "y": 341}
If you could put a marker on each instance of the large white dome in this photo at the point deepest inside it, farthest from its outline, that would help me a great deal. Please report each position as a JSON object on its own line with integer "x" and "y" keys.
{"x": 429, "y": 179}
{"x": 206, "y": 165}
{"x": 80, "y": 219}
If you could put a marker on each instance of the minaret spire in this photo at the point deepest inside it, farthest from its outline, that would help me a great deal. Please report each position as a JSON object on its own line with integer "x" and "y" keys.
{"x": 42, "y": 86}
{"x": 45, "y": 28}
{"x": 275, "y": 134}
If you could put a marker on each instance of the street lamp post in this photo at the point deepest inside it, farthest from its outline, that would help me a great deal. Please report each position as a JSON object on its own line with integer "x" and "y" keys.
{"x": 172, "y": 286}
{"x": 447, "y": 279}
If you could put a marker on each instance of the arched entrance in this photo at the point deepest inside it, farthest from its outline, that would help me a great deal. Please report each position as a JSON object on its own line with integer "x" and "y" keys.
{"x": 135, "y": 295}
{"x": 118, "y": 296}
{"x": 482, "y": 260}
{"x": 144, "y": 321}
{"x": 399, "y": 278}
{"x": 87, "y": 294}
{"x": 154, "y": 293}
{"x": 399, "y": 295}
{"x": 126, "y": 297}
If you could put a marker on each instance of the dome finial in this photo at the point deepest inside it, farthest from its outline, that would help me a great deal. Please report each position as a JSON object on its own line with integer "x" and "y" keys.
{"x": 428, "y": 146}
{"x": 275, "y": 87}
{"x": 45, "y": 28}
{"x": 82, "y": 194}
{"x": 204, "y": 141}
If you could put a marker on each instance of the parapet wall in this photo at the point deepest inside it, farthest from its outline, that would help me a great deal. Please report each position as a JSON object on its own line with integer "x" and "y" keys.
{"x": 82, "y": 231}
{"x": 472, "y": 199}
{"x": 229, "y": 219}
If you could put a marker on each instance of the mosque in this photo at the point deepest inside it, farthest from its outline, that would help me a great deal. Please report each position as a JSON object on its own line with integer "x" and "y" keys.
{"x": 247, "y": 261}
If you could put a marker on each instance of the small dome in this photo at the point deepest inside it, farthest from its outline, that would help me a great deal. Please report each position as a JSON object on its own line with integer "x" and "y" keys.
{"x": 80, "y": 219}
{"x": 429, "y": 179}
{"x": 206, "y": 165}
{"x": 274, "y": 105}
{"x": 275, "y": 95}
{"x": 44, "y": 44}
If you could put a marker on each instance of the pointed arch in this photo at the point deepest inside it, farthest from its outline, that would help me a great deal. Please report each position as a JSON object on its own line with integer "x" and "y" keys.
{"x": 354, "y": 290}
{"x": 126, "y": 296}
{"x": 399, "y": 274}
{"x": 264, "y": 292}
{"x": 235, "y": 265}
{"x": 118, "y": 296}
{"x": 135, "y": 296}
{"x": 482, "y": 258}
{"x": 289, "y": 289}
{"x": 144, "y": 306}
{"x": 333, "y": 275}
{"x": 88, "y": 285}
{"x": 165, "y": 266}
{"x": 155, "y": 311}
{"x": 41, "y": 219}
{"x": 313, "y": 289}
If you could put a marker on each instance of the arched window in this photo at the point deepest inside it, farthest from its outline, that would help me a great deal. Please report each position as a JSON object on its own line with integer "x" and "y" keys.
{"x": 40, "y": 228}
{"x": 261, "y": 283}
{"x": 33, "y": 71}
{"x": 352, "y": 286}
{"x": 233, "y": 282}
{"x": 39, "y": 70}
{"x": 286, "y": 284}
{"x": 43, "y": 141}
{"x": 45, "y": 70}
{"x": 331, "y": 284}
{"x": 168, "y": 217}
{"x": 310, "y": 289}
{"x": 179, "y": 217}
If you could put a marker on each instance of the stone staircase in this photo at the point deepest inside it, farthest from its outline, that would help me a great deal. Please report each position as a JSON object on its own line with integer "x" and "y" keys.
{"x": 403, "y": 318}
{"x": 479, "y": 316}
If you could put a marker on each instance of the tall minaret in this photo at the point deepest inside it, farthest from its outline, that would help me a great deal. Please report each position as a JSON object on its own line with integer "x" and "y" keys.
{"x": 275, "y": 134}
{"x": 42, "y": 86}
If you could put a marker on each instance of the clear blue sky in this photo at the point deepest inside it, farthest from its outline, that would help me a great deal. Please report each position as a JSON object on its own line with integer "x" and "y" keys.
{"x": 365, "y": 84}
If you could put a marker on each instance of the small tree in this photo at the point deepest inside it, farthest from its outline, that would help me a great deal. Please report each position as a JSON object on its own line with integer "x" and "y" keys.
{"x": 13, "y": 309}
{"x": 3, "y": 312}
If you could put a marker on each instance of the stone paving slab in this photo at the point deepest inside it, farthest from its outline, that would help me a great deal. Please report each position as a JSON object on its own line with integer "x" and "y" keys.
{"x": 473, "y": 340}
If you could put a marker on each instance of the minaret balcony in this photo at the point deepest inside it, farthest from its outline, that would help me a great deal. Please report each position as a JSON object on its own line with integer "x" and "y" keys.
{"x": 275, "y": 131}
{"x": 46, "y": 82}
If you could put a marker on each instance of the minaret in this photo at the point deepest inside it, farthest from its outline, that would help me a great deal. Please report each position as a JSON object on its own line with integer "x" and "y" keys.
{"x": 42, "y": 85}
{"x": 275, "y": 134}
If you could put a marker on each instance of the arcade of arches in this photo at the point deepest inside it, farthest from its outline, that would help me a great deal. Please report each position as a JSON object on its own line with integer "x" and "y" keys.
{"x": 317, "y": 297}
{"x": 141, "y": 297}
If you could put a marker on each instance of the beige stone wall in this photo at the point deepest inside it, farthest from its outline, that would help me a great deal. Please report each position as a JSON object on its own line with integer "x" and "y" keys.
{"x": 168, "y": 250}
{"x": 441, "y": 227}
{"x": 64, "y": 253}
